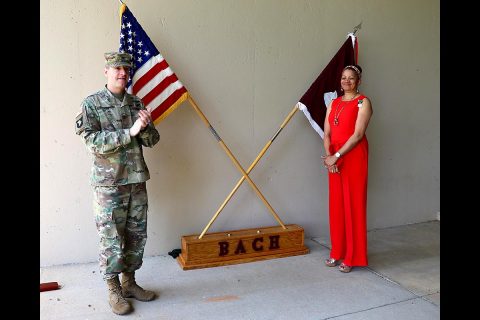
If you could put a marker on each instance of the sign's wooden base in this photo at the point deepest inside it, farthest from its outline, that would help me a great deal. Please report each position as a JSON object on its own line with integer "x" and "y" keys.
{"x": 240, "y": 246}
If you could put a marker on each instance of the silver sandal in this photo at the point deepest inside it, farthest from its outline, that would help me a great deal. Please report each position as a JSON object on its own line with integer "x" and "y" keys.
{"x": 331, "y": 262}
{"x": 344, "y": 268}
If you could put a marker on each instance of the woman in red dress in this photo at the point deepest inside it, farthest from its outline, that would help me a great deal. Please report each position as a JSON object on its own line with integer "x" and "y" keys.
{"x": 346, "y": 159}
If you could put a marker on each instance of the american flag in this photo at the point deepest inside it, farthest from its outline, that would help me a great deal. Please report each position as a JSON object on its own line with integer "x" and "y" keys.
{"x": 151, "y": 78}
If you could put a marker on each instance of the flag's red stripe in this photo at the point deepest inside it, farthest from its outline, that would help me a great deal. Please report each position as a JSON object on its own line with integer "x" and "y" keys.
{"x": 149, "y": 75}
{"x": 159, "y": 88}
{"x": 157, "y": 112}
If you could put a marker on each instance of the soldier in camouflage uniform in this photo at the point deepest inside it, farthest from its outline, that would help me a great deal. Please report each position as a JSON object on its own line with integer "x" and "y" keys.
{"x": 114, "y": 126}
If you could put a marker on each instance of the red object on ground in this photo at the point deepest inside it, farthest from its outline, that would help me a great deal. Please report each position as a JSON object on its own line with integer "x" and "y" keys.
{"x": 47, "y": 286}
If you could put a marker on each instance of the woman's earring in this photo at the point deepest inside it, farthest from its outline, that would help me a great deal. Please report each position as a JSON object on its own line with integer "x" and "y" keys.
{"x": 358, "y": 90}
{"x": 341, "y": 89}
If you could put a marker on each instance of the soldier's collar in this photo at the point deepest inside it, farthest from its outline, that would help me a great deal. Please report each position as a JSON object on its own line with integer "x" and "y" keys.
{"x": 111, "y": 100}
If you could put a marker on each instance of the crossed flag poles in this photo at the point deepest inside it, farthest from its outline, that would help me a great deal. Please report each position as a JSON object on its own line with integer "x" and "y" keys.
{"x": 239, "y": 167}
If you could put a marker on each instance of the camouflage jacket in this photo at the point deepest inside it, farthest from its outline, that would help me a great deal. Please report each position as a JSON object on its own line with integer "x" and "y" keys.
{"x": 104, "y": 125}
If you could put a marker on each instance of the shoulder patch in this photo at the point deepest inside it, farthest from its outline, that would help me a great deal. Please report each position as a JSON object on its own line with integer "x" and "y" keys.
{"x": 79, "y": 123}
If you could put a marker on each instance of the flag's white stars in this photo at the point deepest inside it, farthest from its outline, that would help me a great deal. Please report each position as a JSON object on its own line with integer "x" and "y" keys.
{"x": 130, "y": 48}
{"x": 130, "y": 32}
{"x": 122, "y": 36}
{"x": 139, "y": 51}
{"x": 130, "y": 40}
{"x": 139, "y": 59}
{"x": 123, "y": 25}
{"x": 129, "y": 25}
{"x": 146, "y": 53}
{"x": 140, "y": 43}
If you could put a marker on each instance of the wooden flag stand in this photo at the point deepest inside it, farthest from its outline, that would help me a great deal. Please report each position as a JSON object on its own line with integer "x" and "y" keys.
{"x": 246, "y": 245}
{"x": 240, "y": 246}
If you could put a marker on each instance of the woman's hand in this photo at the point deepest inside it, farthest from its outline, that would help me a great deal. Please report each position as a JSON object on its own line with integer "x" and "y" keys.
{"x": 333, "y": 169}
{"x": 330, "y": 163}
{"x": 329, "y": 160}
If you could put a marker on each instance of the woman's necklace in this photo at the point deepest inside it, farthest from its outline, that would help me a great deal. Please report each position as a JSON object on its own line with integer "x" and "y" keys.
{"x": 337, "y": 113}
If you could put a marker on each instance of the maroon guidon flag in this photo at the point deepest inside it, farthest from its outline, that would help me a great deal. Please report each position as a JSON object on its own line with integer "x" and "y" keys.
{"x": 327, "y": 85}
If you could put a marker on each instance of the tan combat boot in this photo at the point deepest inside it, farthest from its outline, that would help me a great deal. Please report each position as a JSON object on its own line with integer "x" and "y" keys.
{"x": 131, "y": 289}
{"x": 117, "y": 302}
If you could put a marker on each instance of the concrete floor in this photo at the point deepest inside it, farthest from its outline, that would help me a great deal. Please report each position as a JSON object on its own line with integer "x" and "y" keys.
{"x": 402, "y": 282}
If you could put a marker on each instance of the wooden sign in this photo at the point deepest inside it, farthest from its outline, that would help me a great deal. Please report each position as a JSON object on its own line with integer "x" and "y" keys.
{"x": 240, "y": 246}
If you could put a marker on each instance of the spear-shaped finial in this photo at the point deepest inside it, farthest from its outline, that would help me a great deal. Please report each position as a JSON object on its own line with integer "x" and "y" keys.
{"x": 357, "y": 27}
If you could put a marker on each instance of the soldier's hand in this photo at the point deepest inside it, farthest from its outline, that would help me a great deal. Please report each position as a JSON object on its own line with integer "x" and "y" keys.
{"x": 144, "y": 118}
{"x": 145, "y": 115}
{"x": 137, "y": 126}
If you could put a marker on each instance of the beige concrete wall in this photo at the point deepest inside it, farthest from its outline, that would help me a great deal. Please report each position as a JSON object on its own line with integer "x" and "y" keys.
{"x": 246, "y": 63}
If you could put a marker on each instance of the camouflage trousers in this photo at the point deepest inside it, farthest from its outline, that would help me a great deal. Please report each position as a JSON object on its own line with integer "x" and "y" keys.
{"x": 121, "y": 219}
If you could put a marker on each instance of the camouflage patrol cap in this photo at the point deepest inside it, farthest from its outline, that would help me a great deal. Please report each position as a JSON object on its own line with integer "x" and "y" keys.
{"x": 117, "y": 59}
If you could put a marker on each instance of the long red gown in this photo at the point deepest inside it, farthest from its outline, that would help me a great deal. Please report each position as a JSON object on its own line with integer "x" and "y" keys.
{"x": 348, "y": 188}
